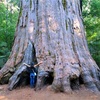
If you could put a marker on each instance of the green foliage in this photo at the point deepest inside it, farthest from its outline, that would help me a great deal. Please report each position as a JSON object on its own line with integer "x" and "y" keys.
{"x": 95, "y": 8}
{"x": 4, "y": 53}
{"x": 8, "y": 19}
{"x": 91, "y": 15}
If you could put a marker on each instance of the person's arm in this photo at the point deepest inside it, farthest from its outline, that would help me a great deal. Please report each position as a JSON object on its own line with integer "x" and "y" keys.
{"x": 38, "y": 64}
{"x": 34, "y": 65}
{"x": 27, "y": 65}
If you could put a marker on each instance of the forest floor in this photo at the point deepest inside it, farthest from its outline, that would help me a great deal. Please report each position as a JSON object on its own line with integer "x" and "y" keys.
{"x": 27, "y": 93}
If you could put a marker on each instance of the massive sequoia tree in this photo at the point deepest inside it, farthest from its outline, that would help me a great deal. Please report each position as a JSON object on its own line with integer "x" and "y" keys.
{"x": 52, "y": 31}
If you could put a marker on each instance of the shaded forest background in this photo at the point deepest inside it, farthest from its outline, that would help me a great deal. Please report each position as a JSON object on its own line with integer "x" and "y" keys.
{"x": 9, "y": 12}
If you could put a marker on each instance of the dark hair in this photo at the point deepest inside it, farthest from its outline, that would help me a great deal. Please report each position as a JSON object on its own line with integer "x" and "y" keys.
{"x": 32, "y": 64}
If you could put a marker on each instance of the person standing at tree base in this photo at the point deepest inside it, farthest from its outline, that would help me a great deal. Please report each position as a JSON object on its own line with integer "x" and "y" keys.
{"x": 32, "y": 70}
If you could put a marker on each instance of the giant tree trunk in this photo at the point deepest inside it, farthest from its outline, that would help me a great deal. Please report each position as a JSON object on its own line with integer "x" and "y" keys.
{"x": 52, "y": 31}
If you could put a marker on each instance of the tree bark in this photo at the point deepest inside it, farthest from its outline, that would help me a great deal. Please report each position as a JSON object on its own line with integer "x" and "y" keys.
{"x": 55, "y": 30}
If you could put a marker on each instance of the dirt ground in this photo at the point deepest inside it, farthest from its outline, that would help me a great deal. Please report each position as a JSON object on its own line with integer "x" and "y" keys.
{"x": 27, "y": 93}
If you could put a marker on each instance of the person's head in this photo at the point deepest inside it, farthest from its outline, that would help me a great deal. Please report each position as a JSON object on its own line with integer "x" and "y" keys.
{"x": 32, "y": 64}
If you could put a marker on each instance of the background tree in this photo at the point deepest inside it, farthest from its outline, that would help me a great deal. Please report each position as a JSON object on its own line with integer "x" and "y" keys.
{"x": 8, "y": 20}
{"x": 91, "y": 17}
{"x": 52, "y": 31}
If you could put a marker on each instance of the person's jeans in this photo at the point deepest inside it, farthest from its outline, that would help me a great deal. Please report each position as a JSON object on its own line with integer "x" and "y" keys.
{"x": 32, "y": 79}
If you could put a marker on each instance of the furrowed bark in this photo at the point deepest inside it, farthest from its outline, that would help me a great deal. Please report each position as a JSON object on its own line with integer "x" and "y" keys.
{"x": 55, "y": 31}
{"x": 16, "y": 77}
